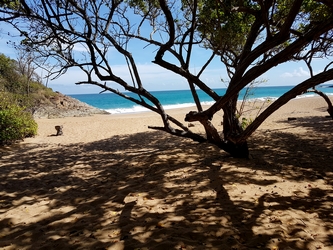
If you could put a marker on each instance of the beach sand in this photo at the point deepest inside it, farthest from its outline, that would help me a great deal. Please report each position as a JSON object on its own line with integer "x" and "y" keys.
{"x": 111, "y": 183}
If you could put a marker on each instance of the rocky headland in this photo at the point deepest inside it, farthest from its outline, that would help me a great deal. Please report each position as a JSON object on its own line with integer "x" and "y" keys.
{"x": 61, "y": 105}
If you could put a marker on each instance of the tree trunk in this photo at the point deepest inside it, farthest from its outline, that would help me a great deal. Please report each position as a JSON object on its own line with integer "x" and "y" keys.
{"x": 237, "y": 150}
{"x": 232, "y": 129}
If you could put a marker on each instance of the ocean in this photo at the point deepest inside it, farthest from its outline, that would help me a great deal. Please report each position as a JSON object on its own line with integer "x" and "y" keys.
{"x": 172, "y": 99}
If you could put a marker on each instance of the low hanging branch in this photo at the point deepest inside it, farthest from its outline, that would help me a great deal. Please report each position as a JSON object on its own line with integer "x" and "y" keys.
{"x": 326, "y": 98}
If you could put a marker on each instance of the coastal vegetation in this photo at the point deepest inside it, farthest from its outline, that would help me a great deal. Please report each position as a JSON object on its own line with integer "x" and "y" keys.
{"x": 20, "y": 93}
{"x": 24, "y": 97}
{"x": 249, "y": 38}
{"x": 15, "y": 122}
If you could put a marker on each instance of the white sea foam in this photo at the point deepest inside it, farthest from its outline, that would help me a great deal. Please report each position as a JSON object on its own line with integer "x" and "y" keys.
{"x": 261, "y": 99}
{"x": 305, "y": 96}
{"x": 139, "y": 109}
{"x": 134, "y": 109}
{"x": 178, "y": 106}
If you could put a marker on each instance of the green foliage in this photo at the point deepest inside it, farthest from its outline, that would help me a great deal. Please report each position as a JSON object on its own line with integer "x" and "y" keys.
{"x": 10, "y": 79}
{"x": 310, "y": 13}
{"x": 143, "y": 6}
{"x": 9, "y": 4}
{"x": 18, "y": 96}
{"x": 36, "y": 87}
{"x": 27, "y": 93}
{"x": 248, "y": 109}
{"x": 225, "y": 27}
{"x": 15, "y": 122}
{"x": 245, "y": 122}
{"x": 6, "y": 66}
{"x": 222, "y": 27}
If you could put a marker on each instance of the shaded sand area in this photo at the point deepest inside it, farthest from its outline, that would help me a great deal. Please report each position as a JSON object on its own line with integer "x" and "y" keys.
{"x": 111, "y": 183}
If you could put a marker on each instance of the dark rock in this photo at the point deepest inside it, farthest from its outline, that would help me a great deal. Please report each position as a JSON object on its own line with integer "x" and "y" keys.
{"x": 59, "y": 130}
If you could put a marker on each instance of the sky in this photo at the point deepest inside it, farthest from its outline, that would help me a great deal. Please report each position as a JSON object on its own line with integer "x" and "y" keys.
{"x": 156, "y": 78}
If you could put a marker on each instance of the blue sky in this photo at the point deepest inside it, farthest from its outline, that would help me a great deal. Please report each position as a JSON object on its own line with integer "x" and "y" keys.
{"x": 157, "y": 78}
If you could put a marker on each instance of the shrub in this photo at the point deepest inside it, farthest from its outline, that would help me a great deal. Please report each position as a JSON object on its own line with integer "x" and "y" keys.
{"x": 15, "y": 123}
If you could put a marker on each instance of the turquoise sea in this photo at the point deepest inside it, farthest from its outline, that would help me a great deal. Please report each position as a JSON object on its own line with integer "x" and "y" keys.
{"x": 180, "y": 98}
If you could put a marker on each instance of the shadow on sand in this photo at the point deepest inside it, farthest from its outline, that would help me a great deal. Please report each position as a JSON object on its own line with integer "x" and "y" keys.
{"x": 153, "y": 191}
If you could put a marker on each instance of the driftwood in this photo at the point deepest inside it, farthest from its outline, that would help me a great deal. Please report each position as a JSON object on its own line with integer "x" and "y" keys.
{"x": 59, "y": 130}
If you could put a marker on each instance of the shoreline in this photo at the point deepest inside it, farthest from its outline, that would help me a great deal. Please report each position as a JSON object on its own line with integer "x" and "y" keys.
{"x": 96, "y": 127}
{"x": 133, "y": 108}
{"x": 301, "y": 103}
{"x": 208, "y": 104}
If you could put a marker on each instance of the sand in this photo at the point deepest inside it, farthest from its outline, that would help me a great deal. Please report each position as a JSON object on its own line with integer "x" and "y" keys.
{"x": 111, "y": 183}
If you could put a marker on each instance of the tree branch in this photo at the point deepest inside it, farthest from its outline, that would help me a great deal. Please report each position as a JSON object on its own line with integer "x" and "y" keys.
{"x": 297, "y": 90}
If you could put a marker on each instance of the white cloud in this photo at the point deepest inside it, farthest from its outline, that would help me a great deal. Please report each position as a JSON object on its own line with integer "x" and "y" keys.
{"x": 80, "y": 48}
{"x": 300, "y": 72}
{"x": 153, "y": 77}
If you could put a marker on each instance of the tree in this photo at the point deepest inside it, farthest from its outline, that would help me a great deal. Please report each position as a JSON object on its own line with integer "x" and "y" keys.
{"x": 16, "y": 75}
{"x": 15, "y": 123}
{"x": 249, "y": 37}
{"x": 9, "y": 77}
